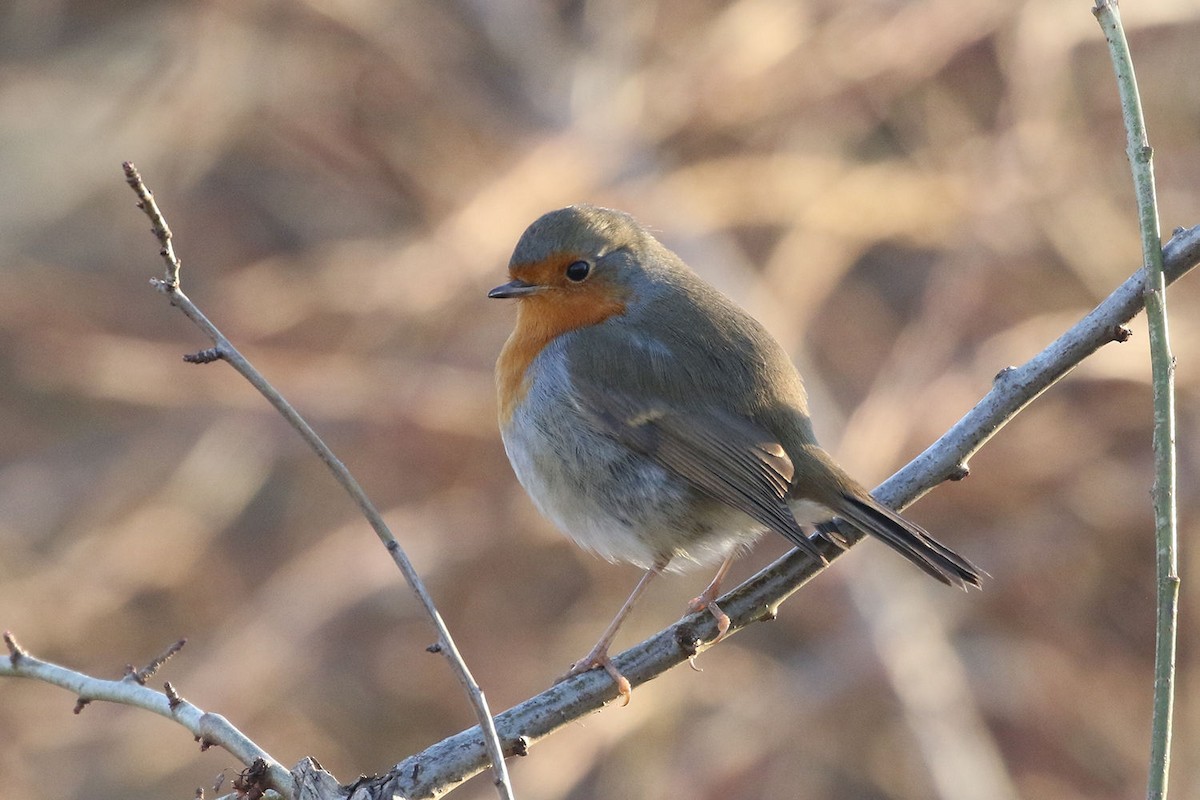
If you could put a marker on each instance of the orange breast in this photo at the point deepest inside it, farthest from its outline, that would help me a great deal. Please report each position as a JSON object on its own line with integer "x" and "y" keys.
{"x": 540, "y": 319}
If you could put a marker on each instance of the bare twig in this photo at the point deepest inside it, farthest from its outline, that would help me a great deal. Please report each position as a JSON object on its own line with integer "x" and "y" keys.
{"x": 147, "y": 672}
{"x": 1163, "y": 368}
{"x": 160, "y": 230}
{"x": 453, "y": 760}
{"x": 15, "y": 651}
{"x": 209, "y": 729}
{"x": 223, "y": 350}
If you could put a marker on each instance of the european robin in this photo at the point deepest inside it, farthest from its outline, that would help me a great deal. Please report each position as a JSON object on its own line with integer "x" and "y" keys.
{"x": 657, "y": 423}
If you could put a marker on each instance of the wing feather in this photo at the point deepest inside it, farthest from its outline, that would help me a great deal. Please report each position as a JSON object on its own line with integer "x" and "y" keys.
{"x": 727, "y": 457}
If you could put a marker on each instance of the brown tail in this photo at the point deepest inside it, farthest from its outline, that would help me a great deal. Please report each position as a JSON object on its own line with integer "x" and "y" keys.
{"x": 910, "y": 540}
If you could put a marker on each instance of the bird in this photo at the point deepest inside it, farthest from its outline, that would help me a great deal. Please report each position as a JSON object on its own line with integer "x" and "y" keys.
{"x": 657, "y": 423}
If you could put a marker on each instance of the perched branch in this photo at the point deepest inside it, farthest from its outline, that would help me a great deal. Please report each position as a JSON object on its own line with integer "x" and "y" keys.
{"x": 446, "y": 764}
{"x": 453, "y": 760}
{"x": 1163, "y": 368}
{"x": 225, "y": 351}
{"x": 209, "y": 729}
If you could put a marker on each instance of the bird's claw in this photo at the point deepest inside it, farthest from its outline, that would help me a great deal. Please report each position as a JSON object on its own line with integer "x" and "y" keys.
{"x": 593, "y": 660}
{"x": 703, "y": 603}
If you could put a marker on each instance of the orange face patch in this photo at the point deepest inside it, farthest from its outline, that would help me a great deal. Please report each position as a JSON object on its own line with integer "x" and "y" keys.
{"x": 560, "y": 306}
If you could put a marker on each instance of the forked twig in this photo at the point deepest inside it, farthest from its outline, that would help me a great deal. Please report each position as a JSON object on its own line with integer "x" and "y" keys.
{"x": 208, "y": 728}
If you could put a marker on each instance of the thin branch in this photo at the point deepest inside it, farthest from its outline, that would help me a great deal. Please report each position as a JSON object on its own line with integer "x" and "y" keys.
{"x": 147, "y": 672}
{"x": 439, "y": 768}
{"x": 209, "y": 729}
{"x": 1163, "y": 368}
{"x": 223, "y": 350}
{"x": 161, "y": 231}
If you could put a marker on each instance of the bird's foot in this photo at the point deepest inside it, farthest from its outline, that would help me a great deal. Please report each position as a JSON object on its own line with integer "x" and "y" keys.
{"x": 705, "y": 602}
{"x": 599, "y": 658}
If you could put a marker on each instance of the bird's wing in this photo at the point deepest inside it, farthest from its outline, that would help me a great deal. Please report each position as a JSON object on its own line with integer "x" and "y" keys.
{"x": 728, "y": 457}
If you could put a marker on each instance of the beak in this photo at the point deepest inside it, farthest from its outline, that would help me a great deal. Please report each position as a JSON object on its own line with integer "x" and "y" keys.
{"x": 515, "y": 288}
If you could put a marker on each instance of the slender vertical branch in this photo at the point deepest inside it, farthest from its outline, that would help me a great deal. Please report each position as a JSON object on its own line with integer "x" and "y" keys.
{"x": 1163, "y": 368}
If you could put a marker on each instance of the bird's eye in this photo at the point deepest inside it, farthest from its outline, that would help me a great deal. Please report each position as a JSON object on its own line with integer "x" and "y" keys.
{"x": 578, "y": 271}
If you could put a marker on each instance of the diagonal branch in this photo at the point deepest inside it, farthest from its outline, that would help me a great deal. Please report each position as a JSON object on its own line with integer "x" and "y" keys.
{"x": 225, "y": 351}
{"x": 439, "y": 768}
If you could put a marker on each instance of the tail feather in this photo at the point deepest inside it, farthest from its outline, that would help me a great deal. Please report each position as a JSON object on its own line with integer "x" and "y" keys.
{"x": 910, "y": 540}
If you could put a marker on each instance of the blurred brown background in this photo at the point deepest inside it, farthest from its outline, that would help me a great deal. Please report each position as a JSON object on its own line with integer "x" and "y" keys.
{"x": 911, "y": 195}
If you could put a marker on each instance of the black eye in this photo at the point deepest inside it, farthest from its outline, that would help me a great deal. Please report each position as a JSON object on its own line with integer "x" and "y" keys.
{"x": 578, "y": 270}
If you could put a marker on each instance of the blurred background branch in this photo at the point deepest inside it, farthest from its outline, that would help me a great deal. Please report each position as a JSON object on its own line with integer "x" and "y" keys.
{"x": 908, "y": 194}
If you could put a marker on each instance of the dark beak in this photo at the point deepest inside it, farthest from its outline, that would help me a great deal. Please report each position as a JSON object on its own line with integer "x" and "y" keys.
{"x": 515, "y": 288}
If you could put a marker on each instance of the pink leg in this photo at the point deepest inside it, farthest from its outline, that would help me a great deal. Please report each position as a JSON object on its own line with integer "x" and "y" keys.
{"x": 598, "y": 657}
{"x": 708, "y": 599}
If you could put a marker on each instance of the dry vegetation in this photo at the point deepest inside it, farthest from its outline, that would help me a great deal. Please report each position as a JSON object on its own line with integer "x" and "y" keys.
{"x": 910, "y": 194}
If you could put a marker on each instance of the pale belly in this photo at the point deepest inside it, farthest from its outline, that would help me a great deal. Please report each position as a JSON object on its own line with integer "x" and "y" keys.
{"x": 612, "y": 500}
